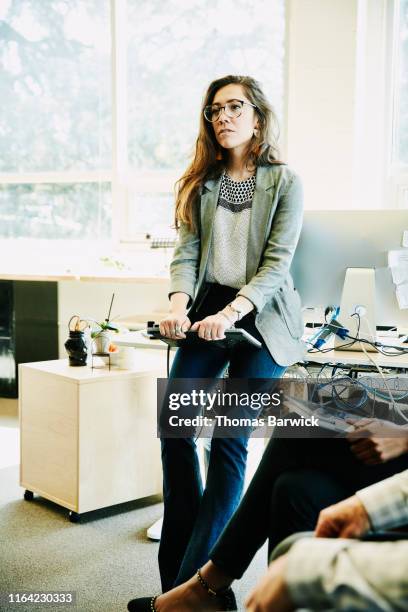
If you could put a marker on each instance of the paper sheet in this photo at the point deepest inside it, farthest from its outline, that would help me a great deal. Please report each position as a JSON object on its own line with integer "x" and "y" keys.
{"x": 402, "y": 295}
{"x": 398, "y": 262}
{"x": 398, "y": 258}
{"x": 399, "y": 274}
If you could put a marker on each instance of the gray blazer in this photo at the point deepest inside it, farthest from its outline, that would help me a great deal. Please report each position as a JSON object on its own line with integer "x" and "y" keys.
{"x": 276, "y": 220}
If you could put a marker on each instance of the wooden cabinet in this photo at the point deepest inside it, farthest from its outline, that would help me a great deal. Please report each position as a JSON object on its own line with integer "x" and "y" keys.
{"x": 88, "y": 437}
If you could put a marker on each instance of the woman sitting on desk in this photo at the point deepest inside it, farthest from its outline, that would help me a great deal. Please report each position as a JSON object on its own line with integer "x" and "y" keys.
{"x": 239, "y": 215}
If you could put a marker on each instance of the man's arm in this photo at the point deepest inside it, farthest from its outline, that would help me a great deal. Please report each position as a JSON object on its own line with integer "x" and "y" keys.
{"x": 337, "y": 574}
{"x": 386, "y": 502}
{"x": 383, "y": 505}
{"x": 342, "y": 574}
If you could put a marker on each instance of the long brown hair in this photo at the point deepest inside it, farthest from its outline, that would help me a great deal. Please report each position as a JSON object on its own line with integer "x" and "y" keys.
{"x": 210, "y": 159}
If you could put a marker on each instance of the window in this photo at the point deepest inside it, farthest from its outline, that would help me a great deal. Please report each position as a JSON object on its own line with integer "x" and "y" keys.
{"x": 100, "y": 106}
{"x": 399, "y": 145}
{"x": 55, "y": 125}
{"x": 401, "y": 93}
{"x": 173, "y": 54}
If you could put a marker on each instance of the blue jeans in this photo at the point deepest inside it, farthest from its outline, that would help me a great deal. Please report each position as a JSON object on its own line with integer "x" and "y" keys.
{"x": 195, "y": 517}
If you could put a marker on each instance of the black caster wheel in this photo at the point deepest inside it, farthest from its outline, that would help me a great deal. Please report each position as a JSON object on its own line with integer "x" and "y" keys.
{"x": 74, "y": 517}
{"x": 28, "y": 495}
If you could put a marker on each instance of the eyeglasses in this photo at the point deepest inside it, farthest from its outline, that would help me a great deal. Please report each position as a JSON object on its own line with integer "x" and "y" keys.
{"x": 232, "y": 109}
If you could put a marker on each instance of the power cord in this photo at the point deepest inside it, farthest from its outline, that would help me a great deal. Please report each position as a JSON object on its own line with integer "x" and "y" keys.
{"x": 378, "y": 346}
{"x": 395, "y": 409}
{"x": 168, "y": 360}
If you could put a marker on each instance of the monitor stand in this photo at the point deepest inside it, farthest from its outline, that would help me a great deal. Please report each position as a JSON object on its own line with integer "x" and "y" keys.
{"x": 358, "y": 295}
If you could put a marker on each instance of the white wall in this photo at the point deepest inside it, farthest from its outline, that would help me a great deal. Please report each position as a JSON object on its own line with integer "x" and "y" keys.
{"x": 92, "y": 299}
{"x": 337, "y": 101}
{"x": 321, "y": 98}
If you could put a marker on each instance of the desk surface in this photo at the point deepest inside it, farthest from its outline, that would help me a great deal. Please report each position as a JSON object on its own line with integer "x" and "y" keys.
{"x": 335, "y": 357}
{"x": 358, "y": 358}
{"x": 137, "y": 339}
{"x": 147, "y": 363}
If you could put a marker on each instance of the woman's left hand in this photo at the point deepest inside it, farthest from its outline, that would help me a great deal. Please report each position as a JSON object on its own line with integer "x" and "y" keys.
{"x": 212, "y": 327}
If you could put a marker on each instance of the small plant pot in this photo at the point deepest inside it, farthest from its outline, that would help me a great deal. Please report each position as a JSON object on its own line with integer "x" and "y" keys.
{"x": 76, "y": 348}
{"x": 102, "y": 342}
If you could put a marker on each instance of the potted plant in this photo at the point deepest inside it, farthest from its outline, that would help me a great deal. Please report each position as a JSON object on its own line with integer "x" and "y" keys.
{"x": 102, "y": 332}
{"x": 102, "y": 336}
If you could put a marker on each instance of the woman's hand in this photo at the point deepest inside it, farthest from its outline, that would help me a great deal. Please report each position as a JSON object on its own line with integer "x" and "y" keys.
{"x": 212, "y": 327}
{"x": 376, "y": 441}
{"x": 174, "y": 325}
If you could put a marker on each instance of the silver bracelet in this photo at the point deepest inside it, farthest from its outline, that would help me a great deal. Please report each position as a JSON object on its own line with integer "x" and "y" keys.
{"x": 238, "y": 312}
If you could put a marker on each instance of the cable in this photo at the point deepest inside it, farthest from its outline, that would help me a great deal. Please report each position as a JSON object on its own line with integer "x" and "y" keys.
{"x": 382, "y": 376}
{"x": 400, "y": 350}
{"x": 380, "y": 394}
{"x": 328, "y": 350}
{"x": 168, "y": 360}
{"x": 336, "y": 396}
{"x": 351, "y": 382}
{"x": 394, "y": 406}
{"x": 317, "y": 380}
{"x": 394, "y": 351}
{"x": 377, "y": 345}
{"x": 367, "y": 390}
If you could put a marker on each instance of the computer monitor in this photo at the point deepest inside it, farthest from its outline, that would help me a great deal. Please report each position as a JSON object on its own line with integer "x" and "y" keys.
{"x": 332, "y": 242}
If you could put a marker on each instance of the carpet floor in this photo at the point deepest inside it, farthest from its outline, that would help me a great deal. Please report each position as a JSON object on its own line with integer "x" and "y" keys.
{"x": 106, "y": 559}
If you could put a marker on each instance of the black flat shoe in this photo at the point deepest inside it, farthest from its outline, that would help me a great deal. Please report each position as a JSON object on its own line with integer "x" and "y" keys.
{"x": 142, "y": 604}
{"x": 146, "y": 604}
{"x": 229, "y": 601}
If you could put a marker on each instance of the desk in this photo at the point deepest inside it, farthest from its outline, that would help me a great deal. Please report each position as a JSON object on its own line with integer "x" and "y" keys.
{"x": 88, "y": 437}
{"x": 355, "y": 358}
{"x": 137, "y": 339}
{"x": 358, "y": 358}
{"x": 347, "y": 358}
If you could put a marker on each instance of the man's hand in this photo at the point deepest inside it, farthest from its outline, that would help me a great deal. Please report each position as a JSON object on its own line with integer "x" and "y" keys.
{"x": 376, "y": 441}
{"x": 212, "y": 327}
{"x": 347, "y": 519}
{"x": 271, "y": 592}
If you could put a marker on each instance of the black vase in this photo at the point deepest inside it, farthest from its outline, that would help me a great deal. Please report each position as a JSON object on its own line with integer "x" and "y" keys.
{"x": 76, "y": 348}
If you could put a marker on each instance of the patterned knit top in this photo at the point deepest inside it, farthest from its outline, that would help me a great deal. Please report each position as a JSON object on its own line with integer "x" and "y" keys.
{"x": 228, "y": 253}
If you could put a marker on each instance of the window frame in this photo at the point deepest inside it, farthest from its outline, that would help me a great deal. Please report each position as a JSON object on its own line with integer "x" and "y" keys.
{"x": 122, "y": 179}
{"x": 397, "y": 173}
{"x": 378, "y": 180}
